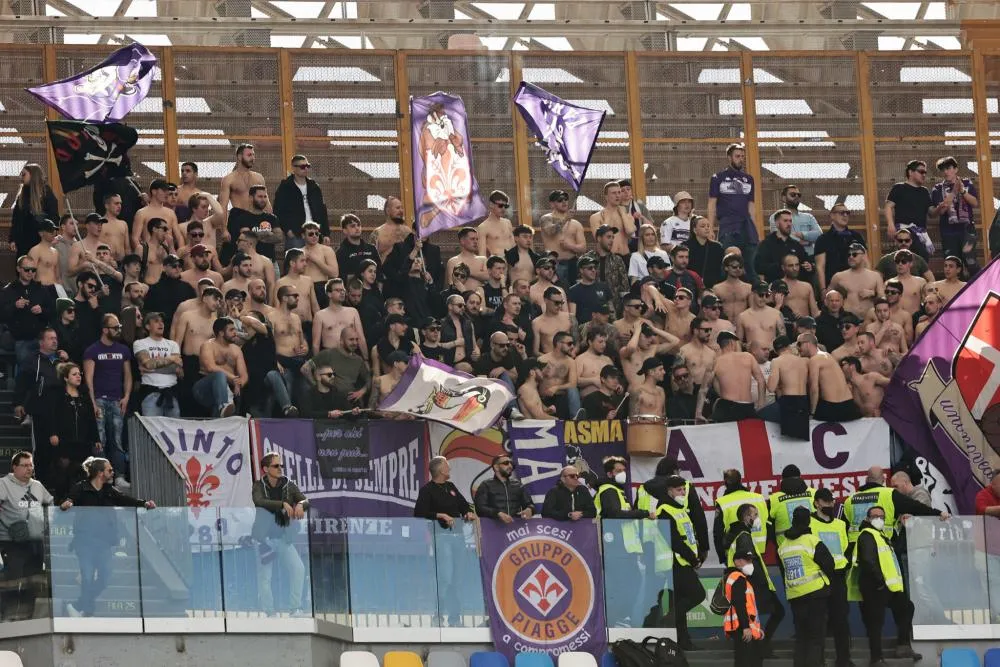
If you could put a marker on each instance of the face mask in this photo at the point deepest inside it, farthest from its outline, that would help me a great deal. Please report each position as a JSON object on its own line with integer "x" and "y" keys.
{"x": 747, "y": 569}
{"x": 826, "y": 511}
{"x": 620, "y": 477}
{"x": 878, "y": 524}
{"x": 756, "y": 525}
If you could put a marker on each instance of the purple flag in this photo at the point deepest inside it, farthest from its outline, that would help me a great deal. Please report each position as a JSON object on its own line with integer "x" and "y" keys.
{"x": 944, "y": 398}
{"x": 568, "y": 132}
{"x": 539, "y": 455}
{"x": 445, "y": 190}
{"x": 544, "y": 586}
{"x": 105, "y": 93}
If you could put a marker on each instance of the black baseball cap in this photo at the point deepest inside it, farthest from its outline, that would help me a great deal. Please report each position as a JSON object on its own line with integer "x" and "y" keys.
{"x": 850, "y": 318}
{"x": 710, "y": 300}
{"x": 761, "y": 288}
{"x": 529, "y": 365}
{"x": 171, "y": 260}
{"x": 779, "y": 286}
{"x": 523, "y": 229}
{"x": 159, "y": 184}
{"x": 558, "y": 194}
{"x": 395, "y": 318}
{"x": 650, "y": 364}
{"x": 430, "y": 322}
{"x": 656, "y": 262}
{"x": 46, "y": 225}
{"x": 94, "y": 217}
{"x": 603, "y": 308}
{"x": 725, "y": 336}
{"x": 604, "y": 229}
{"x": 857, "y": 246}
{"x": 586, "y": 260}
{"x": 398, "y": 355}
{"x": 235, "y": 294}
{"x": 805, "y": 322}
{"x": 781, "y": 342}
{"x": 544, "y": 261}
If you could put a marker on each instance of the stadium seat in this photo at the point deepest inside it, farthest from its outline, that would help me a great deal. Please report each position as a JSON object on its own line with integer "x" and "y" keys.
{"x": 358, "y": 659}
{"x": 992, "y": 658}
{"x": 608, "y": 660}
{"x": 10, "y": 659}
{"x": 533, "y": 660}
{"x": 959, "y": 657}
{"x": 488, "y": 659}
{"x": 445, "y": 659}
{"x": 577, "y": 659}
{"x": 402, "y": 659}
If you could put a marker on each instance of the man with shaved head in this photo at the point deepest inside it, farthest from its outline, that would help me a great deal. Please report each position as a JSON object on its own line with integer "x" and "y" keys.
{"x": 569, "y": 499}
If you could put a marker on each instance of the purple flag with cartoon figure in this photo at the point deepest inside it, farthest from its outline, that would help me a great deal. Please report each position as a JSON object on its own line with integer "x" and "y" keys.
{"x": 105, "y": 93}
{"x": 944, "y": 399}
{"x": 568, "y": 132}
{"x": 445, "y": 190}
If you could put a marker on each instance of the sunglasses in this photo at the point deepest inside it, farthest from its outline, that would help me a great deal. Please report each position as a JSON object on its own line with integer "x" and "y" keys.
{"x": 634, "y": 305}
{"x": 705, "y": 329}
{"x": 504, "y": 463}
{"x": 685, "y": 376}
{"x": 847, "y": 325}
{"x": 312, "y": 234}
{"x": 571, "y": 476}
{"x": 921, "y": 171}
{"x": 558, "y": 303}
{"x": 681, "y": 296}
{"x": 903, "y": 261}
{"x": 196, "y": 235}
{"x": 434, "y": 328}
{"x": 501, "y": 204}
{"x": 276, "y": 465}
{"x": 30, "y": 269}
{"x": 302, "y": 166}
{"x": 856, "y": 253}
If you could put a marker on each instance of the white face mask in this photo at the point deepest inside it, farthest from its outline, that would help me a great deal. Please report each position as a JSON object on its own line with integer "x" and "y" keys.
{"x": 878, "y": 524}
{"x": 747, "y": 569}
{"x": 620, "y": 477}
{"x": 757, "y": 525}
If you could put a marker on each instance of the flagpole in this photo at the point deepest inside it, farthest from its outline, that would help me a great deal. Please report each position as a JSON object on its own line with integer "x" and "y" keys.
{"x": 79, "y": 239}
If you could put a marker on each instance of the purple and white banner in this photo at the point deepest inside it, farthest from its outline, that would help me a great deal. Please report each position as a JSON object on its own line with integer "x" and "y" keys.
{"x": 437, "y": 392}
{"x": 544, "y": 586}
{"x": 445, "y": 190}
{"x": 944, "y": 398}
{"x": 568, "y": 132}
{"x": 105, "y": 93}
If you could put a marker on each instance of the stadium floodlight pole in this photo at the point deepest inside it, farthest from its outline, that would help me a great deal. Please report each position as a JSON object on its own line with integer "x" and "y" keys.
{"x": 79, "y": 239}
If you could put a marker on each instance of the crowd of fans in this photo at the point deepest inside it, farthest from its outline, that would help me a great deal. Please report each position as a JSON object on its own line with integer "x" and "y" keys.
{"x": 172, "y": 301}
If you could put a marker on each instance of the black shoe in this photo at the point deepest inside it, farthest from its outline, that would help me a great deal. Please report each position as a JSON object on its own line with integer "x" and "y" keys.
{"x": 689, "y": 646}
{"x": 906, "y": 651}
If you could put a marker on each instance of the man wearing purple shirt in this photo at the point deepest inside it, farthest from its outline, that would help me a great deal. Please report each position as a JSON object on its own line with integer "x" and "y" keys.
{"x": 730, "y": 205}
{"x": 955, "y": 200}
{"x": 107, "y": 369}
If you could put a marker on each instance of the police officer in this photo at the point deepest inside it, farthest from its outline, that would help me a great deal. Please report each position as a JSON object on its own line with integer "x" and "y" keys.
{"x": 832, "y": 532}
{"x": 688, "y": 592}
{"x": 807, "y": 566}
{"x": 876, "y": 580}
{"x": 741, "y": 621}
{"x": 793, "y": 493}
{"x": 646, "y": 499}
{"x": 622, "y": 546}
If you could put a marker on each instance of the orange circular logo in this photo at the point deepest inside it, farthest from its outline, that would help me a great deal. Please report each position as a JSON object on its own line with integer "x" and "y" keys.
{"x": 543, "y": 590}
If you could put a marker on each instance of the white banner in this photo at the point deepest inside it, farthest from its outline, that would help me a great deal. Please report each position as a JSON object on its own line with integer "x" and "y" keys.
{"x": 211, "y": 456}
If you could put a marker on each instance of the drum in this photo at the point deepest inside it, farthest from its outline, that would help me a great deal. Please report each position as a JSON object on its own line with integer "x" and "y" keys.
{"x": 646, "y": 436}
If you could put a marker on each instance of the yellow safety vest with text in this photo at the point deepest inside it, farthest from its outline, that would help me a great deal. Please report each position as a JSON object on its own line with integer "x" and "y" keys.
{"x": 857, "y": 505}
{"x": 630, "y": 529}
{"x": 782, "y": 505}
{"x": 834, "y": 536}
{"x": 887, "y": 562}
{"x": 730, "y": 504}
{"x": 646, "y": 502}
{"x": 802, "y": 574}
{"x": 731, "y": 553}
{"x": 684, "y": 526}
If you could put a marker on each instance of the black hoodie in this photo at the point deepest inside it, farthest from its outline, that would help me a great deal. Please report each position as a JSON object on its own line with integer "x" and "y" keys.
{"x": 822, "y": 556}
{"x": 657, "y": 487}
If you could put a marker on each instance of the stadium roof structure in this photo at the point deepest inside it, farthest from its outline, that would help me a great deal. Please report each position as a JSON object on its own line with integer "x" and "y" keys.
{"x": 553, "y": 25}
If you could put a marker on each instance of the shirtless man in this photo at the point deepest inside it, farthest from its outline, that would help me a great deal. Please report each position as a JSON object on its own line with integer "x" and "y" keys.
{"x": 84, "y": 253}
{"x": 393, "y": 230}
{"x": 552, "y": 321}
{"x": 332, "y": 320}
{"x": 562, "y": 234}
{"x": 830, "y": 399}
{"x": 235, "y": 188}
{"x": 258, "y": 298}
{"x": 195, "y": 234}
{"x": 45, "y": 255}
{"x": 711, "y": 309}
{"x": 952, "y": 283}
{"x": 242, "y": 274}
{"x": 699, "y": 355}
{"x": 789, "y": 382}
{"x": 115, "y": 230}
{"x": 201, "y": 257}
{"x": 263, "y": 268}
{"x": 545, "y": 272}
{"x": 529, "y": 401}
{"x": 383, "y": 385}
{"x": 873, "y": 360}
{"x": 866, "y": 388}
{"x": 290, "y": 344}
{"x": 889, "y": 336}
{"x": 155, "y": 250}
{"x": 760, "y": 323}
{"x": 200, "y": 206}
{"x": 192, "y": 328}
{"x": 496, "y": 231}
{"x": 187, "y": 189}
{"x": 912, "y": 286}
{"x": 468, "y": 240}
{"x": 861, "y": 286}
{"x": 632, "y": 311}
{"x": 801, "y": 298}
{"x": 559, "y": 378}
{"x": 306, "y": 305}
{"x": 195, "y": 301}
{"x": 734, "y": 371}
{"x": 321, "y": 261}
{"x": 932, "y": 306}
{"x": 615, "y": 216}
{"x": 223, "y": 369}
{"x": 159, "y": 192}
{"x": 850, "y": 327}
{"x": 647, "y": 399}
{"x": 733, "y": 292}
{"x": 524, "y": 267}
{"x": 590, "y": 363}
{"x": 646, "y": 342}
{"x": 679, "y": 317}
{"x": 897, "y": 313}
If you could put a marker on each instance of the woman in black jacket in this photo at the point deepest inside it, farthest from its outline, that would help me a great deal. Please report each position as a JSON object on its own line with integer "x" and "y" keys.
{"x": 34, "y": 200}
{"x": 71, "y": 428}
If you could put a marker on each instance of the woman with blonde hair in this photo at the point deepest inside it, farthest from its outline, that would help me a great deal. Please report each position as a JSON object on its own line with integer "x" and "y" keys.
{"x": 649, "y": 246}
{"x": 34, "y": 200}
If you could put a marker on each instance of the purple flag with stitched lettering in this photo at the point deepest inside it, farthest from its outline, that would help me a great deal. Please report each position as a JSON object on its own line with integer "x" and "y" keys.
{"x": 105, "y": 93}
{"x": 568, "y": 132}
{"x": 445, "y": 190}
{"x": 944, "y": 398}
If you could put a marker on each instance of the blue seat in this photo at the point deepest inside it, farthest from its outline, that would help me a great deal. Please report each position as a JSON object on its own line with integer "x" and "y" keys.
{"x": 488, "y": 659}
{"x": 608, "y": 660}
{"x": 992, "y": 658}
{"x": 533, "y": 660}
{"x": 959, "y": 657}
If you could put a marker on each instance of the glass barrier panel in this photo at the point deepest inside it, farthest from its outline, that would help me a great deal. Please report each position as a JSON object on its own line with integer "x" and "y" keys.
{"x": 264, "y": 559}
{"x": 945, "y": 566}
{"x": 638, "y": 575}
{"x": 328, "y": 563}
{"x": 393, "y": 574}
{"x": 94, "y": 562}
{"x": 179, "y": 560}
{"x": 459, "y": 581}
{"x": 24, "y": 583}
{"x": 992, "y": 530}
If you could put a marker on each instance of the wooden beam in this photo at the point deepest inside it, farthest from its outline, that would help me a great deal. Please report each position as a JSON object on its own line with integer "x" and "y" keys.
{"x": 404, "y": 132}
{"x": 636, "y": 148}
{"x": 50, "y": 72}
{"x": 749, "y": 98}
{"x": 983, "y": 150}
{"x": 287, "y": 108}
{"x": 522, "y": 174}
{"x": 171, "y": 149}
{"x": 869, "y": 169}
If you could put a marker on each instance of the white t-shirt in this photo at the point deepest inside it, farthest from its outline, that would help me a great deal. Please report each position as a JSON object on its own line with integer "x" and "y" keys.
{"x": 674, "y": 230}
{"x": 158, "y": 349}
{"x": 304, "y": 189}
{"x": 637, "y": 263}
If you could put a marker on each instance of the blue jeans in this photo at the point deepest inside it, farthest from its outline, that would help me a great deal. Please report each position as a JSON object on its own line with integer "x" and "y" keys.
{"x": 149, "y": 408}
{"x": 289, "y": 560}
{"x": 109, "y": 430}
{"x": 449, "y": 547}
{"x": 294, "y": 242}
{"x": 748, "y": 249}
{"x": 277, "y": 391}
{"x": 212, "y": 392}
{"x": 95, "y": 572}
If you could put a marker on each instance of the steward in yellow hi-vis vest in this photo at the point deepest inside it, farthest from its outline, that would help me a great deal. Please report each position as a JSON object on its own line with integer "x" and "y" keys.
{"x": 792, "y": 494}
{"x": 742, "y": 621}
{"x": 832, "y": 531}
{"x": 655, "y": 490}
{"x": 688, "y": 592}
{"x": 725, "y": 513}
{"x": 807, "y": 565}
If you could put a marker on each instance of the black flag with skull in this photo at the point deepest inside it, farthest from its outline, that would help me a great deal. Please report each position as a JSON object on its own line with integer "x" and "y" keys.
{"x": 88, "y": 152}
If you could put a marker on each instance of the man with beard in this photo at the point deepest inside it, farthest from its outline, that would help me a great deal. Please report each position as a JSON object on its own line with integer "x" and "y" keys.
{"x": 873, "y": 359}
{"x": 589, "y": 364}
{"x": 850, "y": 326}
{"x": 223, "y": 370}
{"x": 805, "y": 228}
{"x": 295, "y": 277}
{"x": 170, "y": 291}
{"x": 512, "y": 313}
{"x": 680, "y": 275}
{"x": 257, "y": 291}
{"x": 500, "y": 362}
{"x": 835, "y": 245}
{"x": 159, "y": 192}
{"x": 587, "y": 294}
{"x": 256, "y": 217}
{"x": 332, "y": 320}
{"x": 353, "y": 249}
{"x": 503, "y": 497}
{"x": 733, "y": 292}
{"x": 289, "y": 340}
{"x": 868, "y": 389}
{"x": 351, "y": 373}
{"x": 133, "y": 294}
{"x": 201, "y": 257}
{"x": 711, "y": 311}
{"x": 321, "y": 262}
{"x": 242, "y": 274}
{"x": 324, "y": 400}
{"x": 261, "y": 267}
{"x": 299, "y": 200}
{"x": 730, "y": 207}
{"x": 614, "y": 217}
{"x": 828, "y": 322}
{"x": 562, "y": 235}
{"x": 611, "y": 268}
{"x": 759, "y": 323}
{"x": 107, "y": 369}
{"x": 559, "y": 380}
{"x": 569, "y": 499}
{"x": 235, "y": 188}
{"x": 393, "y": 230}
{"x": 801, "y": 298}
{"x": 861, "y": 285}
{"x": 698, "y": 354}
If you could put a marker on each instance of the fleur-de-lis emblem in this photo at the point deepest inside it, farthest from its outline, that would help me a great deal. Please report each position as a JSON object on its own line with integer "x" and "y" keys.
{"x": 542, "y": 590}
{"x": 199, "y": 483}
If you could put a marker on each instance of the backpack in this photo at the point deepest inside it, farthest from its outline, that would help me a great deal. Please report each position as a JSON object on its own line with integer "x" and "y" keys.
{"x": 664, "y": 653}
{"x": 720, "y": 604}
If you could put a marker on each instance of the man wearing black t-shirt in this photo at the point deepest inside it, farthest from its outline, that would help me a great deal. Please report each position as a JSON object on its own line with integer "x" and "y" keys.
{"x": 259, "y": 220}
{"x": 909, "y": 203}
{"x": 831, "y": 246}
{"x": 353, "y": 249}
{"x": 500, "y": 362}
{"x": 603, "y": 403}
{"x": 587, "y": 294}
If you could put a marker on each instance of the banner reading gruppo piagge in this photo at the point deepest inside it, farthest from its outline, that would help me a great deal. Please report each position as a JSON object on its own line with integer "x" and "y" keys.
{"x": 544, "y": 586}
